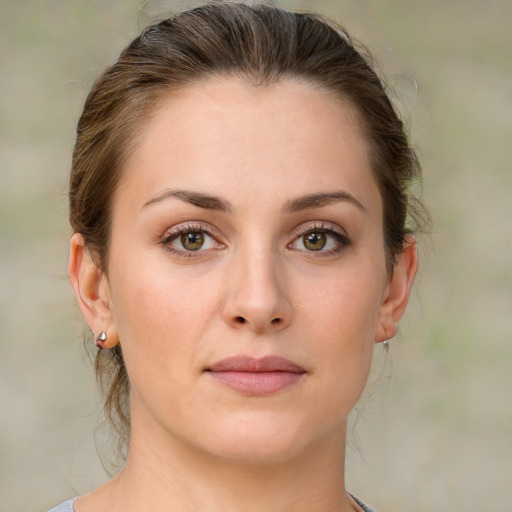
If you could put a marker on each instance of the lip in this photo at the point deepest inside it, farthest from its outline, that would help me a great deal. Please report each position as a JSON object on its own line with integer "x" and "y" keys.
{"x": 256, "y": 376}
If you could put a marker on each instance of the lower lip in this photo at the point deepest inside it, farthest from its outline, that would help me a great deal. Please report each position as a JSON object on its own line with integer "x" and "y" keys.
{"x": 257, "y": 383}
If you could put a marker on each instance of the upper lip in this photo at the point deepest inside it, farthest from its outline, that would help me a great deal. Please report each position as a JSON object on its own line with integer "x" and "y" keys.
{"x": 242, "y": 363}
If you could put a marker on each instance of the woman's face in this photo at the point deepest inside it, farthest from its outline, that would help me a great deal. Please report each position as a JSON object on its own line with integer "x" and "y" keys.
{"x": 247, "y": 275}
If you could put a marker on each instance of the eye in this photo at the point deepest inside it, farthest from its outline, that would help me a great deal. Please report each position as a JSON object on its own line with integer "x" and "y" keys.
{"x": 191, "y": 241}
{"x": 314, "y": 241}
{"x": 324, "y": 239}
{"x": 188, "y": 239}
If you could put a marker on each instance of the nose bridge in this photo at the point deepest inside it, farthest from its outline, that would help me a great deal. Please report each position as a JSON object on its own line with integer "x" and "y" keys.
{"x": 257, "y": 295}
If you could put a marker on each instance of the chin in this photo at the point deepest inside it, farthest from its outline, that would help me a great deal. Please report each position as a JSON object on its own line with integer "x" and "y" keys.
{"x": 254, "y": 439}
{"x": 256, "y": 452}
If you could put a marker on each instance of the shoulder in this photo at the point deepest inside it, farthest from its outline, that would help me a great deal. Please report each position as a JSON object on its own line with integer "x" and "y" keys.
{"x": 67, "y": 506}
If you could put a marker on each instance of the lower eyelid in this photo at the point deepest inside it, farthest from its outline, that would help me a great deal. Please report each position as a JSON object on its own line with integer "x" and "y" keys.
{"x": 214, "y": 239}
{"x": 340, "y": 239}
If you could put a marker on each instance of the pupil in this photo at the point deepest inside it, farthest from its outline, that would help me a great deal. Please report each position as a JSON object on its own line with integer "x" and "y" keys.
{"x": 315, "y": 241}
{"x": 193, "y": 240}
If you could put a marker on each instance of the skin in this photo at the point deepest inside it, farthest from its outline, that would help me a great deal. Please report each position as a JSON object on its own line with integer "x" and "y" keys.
{"x": 254, "y": 288}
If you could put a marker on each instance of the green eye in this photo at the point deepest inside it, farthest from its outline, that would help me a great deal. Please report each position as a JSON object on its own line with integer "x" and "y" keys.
{"x": 314, "y": 241}
{"x": 192, "y": 240}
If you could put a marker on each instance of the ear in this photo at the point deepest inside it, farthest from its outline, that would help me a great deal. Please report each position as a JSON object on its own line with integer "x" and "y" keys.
{"x": 92, "y": 291}
{"x": 398, "y": 291}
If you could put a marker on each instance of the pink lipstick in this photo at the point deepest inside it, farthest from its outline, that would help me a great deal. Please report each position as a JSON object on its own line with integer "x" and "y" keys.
{"x": 256, "y": 376}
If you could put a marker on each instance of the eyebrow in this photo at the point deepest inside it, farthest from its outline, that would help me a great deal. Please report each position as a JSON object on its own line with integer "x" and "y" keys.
{"x": 209, "y": 202}
{"x": 321, "y": 199}
{"x": 199, "y": 199}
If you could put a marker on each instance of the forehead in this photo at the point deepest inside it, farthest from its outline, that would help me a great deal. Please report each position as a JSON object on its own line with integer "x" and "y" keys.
{"x": 226, "y": 135}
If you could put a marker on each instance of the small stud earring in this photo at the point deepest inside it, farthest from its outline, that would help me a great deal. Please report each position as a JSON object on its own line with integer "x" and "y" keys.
{"x": 385, "y": 343}
{"x": 100, "y": 340}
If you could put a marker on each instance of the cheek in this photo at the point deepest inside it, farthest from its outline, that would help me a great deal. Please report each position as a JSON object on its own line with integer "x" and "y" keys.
{"x": 157, "y": 317}
{"x": 342, "y": 319}
{"x": 158, "y": 301}
{"x": 345, "y": 303}
{"x": 165, "y": 317}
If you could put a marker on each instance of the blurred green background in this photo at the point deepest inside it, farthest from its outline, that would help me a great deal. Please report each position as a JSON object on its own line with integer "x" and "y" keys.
{"x": 435, "y": 428}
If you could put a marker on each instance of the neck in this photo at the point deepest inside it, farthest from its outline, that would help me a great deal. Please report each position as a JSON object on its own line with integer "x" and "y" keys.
{"x": 166, "y": 474}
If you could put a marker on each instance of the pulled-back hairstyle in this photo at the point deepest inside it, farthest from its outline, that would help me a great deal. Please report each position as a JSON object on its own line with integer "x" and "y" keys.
{"x": 261, "y": 44}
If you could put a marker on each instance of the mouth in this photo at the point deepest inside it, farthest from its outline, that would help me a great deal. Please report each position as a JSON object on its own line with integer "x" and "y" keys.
{"x": 256, "y": 376}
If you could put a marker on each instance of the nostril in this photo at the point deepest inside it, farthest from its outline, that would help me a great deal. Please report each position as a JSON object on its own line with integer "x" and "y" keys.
{"x": 241, "y": 320}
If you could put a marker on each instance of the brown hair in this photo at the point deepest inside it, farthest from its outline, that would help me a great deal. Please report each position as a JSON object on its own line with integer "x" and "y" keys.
{"x": 261, "y": 44}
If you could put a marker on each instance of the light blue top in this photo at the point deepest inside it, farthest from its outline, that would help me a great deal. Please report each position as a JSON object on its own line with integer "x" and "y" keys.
{"x": 67, "y": 506}
{"x": 365, "y": 507}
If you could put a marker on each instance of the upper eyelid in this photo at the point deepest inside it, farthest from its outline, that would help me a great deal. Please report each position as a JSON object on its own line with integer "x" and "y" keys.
{"x": 210, "y": 230}
{"x": 329, "y": 228}
{"x": 172, "y": 234}
{"x": 193, "y": 226}
{"x": 320, "y": 226}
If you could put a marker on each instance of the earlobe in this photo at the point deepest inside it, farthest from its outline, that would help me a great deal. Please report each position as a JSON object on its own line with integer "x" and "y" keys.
{"x": 398, "y": 291}
{"x": 92, "y": 291}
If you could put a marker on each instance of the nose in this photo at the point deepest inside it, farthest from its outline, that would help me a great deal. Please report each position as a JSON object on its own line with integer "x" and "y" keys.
{"x": 256, "y": 294}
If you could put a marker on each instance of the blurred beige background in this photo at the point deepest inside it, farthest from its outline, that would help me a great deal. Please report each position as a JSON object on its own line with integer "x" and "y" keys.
{"x": 437, "y": 435}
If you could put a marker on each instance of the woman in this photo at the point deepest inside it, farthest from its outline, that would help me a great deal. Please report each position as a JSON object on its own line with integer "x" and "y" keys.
{"x": 239, "y": 200}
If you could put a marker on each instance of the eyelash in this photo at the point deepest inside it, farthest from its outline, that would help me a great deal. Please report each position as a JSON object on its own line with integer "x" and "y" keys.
{"x": 177, "y": 231}
{"x": 341, "y": 239}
